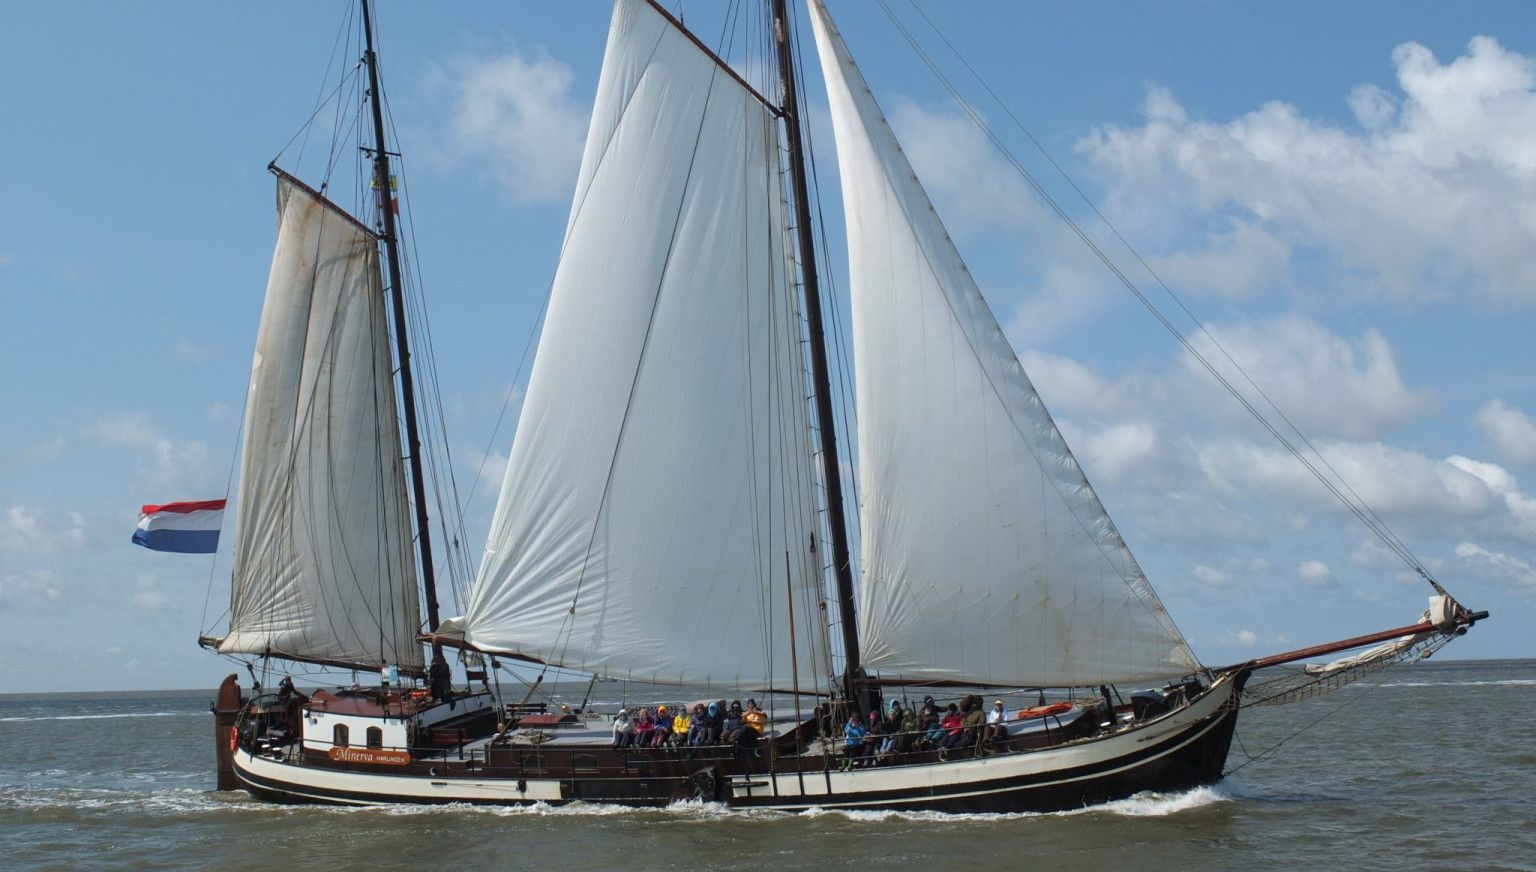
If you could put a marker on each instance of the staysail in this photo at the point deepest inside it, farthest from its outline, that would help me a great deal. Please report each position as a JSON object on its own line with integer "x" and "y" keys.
{"x": 987, "y": 556}
{"x": 661, "y": 475}
{"x": 323, "y": 564}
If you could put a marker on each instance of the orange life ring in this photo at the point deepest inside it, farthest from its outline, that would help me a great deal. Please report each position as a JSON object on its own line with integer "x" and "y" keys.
{"x": 1041, "y": 711}
{"x": 234, "y": 739}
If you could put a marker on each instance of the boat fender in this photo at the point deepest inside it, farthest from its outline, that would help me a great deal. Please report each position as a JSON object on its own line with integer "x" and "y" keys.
{"x": 234, "y": 739}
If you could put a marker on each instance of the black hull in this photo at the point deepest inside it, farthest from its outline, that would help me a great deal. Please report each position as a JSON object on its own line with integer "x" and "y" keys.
{"x": 1180, "y": 754}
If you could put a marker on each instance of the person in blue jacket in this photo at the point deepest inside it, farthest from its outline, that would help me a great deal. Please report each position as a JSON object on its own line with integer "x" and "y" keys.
{"x": 853, "y": 740}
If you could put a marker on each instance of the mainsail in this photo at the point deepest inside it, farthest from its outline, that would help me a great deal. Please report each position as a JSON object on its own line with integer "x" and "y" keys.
{"x": 987, "y": 556}
{"x": 323, "y": 566}
{"x": 661, "y": 477}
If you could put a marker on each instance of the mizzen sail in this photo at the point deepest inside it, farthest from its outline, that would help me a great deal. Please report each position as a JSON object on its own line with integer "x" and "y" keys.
{"x": 986, "y": 555}
{"x": 323, "y": 567}
{"x": 661, "y": 470}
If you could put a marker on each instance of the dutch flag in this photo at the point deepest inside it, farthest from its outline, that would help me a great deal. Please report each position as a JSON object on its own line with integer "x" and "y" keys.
{"x": 185, "y": 528}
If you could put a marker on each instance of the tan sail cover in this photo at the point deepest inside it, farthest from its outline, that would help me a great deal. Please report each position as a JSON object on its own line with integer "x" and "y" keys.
{"x": 323, "y": 565}
{"x": 986, "y": 555}
{"x": 661, "y": 470}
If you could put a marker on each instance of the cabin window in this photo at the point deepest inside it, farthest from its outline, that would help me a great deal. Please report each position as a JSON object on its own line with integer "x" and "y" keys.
{"x": 533, "y": 764}
{"x": 341, "y": 736}
{"x": 375, "y": 737}
{"x": 584, "y": 762}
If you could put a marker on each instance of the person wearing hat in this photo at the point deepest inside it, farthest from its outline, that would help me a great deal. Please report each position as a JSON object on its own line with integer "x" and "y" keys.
{"x": 663, "y": 726}
{"x": 853, "y": 740}
{"x": 891, "y": 729}
{"x": 997, "y": 722}
{"x": 755, "y": 718}
{"x": 731, "y": 726}
{"x": 623, "y": 730}
{"x": 682, "y": 725}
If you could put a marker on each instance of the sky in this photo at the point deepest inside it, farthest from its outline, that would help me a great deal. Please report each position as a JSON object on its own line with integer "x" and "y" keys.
{"x": 1343, "y": 195}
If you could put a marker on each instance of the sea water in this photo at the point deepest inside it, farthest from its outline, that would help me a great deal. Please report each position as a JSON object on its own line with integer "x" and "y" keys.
{"x": 1431, "y": 766}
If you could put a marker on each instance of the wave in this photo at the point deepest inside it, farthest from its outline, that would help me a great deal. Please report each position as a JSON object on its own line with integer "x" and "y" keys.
{"x": 18, "y": 719}
{"x": 178, "y": 801}
{"x": 1507, "y": 682}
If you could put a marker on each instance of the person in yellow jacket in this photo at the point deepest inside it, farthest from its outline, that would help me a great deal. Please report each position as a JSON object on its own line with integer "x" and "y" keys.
{"x": 680, "y": 724}
{"x": 755, "y": 717}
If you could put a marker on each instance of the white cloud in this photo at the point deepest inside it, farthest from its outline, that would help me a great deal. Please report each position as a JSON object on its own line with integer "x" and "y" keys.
{"x": 1210, "y": 576}
{"x": 1070, "y": 387}
{"x": 974, "y": 188}
{"x": 514, "y": 114}
{"x": 24, "y": 529}
{"x": 175, "y": 468}
{"x": 32, "y": 585}
{"x": 1314, "y": 572}
{"x": 1392, "y": 481}
{"x": 1069, "y": 294}
{"x": 147, "y": 594}
{"x": 1107, "y": 454}
{"x": 1433, "y": 189}
{"x": 1504, "y": 564}
{"x": 493, "y": 469}
{"x": 1327, "y": 385}
{"x": 1370, "y": 553}
{"x": 186, "y": 350}
{"x": 1511, "y": 431}
{"x": 122, "y": 429}
{"x": 1232, "y": 262}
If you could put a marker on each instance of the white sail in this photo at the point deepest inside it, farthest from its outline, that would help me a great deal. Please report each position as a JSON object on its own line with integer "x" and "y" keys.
{"x": 661, "y": 470}
{"x": 986, "y": 555}
{"x": 323, "y": 565}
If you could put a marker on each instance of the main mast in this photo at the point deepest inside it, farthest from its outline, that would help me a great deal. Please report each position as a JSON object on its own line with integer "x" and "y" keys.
{"x": 837, "y": 523}
{"x": 439, "y": 670}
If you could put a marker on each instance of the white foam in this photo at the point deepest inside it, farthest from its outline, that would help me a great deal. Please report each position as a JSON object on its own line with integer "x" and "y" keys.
{"x": 104, "y": 717}
{"x": 1508, "y": 682}
{"x": 1162, "y": 804}
{"x": 195, "y": 800}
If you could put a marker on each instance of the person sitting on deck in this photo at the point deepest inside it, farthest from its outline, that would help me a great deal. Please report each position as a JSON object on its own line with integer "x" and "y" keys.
{"x": 933, "y": 729}
{"x": 874, "y": 737}
{"x": 975, "y": 718}
{"x": 663, "y": 729}
{"x": 931, "y": 710}
{"x": 700, "y": 724}
{"x": 953, "y": 725}
{"x": 754, "y": 721}
{"x": 731, "y": 727}
{"x": 891, "y": 729}
{"x": 623, "y": 730}
{"x": 908, "y": 730}
{"x": 754, "y": 717}
{"x": 997, "y": 723}
{"x": 645, "y": 725}
{"x": 853, "y": 740}
{"x": 710, "y": 735}
{"x": 681, "y": 726}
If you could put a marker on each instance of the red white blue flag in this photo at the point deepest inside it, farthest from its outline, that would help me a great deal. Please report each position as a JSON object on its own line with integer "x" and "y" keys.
{"x": 185, "y": 528}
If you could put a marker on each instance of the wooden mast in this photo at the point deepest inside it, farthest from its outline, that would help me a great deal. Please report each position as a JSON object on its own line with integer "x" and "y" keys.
{"x": 438, "y": 673}
{"x": 836, "y": 521}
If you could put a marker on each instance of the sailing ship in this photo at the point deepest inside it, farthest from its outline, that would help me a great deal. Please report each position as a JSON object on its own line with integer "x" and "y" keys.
{"x": 673, "y": 511}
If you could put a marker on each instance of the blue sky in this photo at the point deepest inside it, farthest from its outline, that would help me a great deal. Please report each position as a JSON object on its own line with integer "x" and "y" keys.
{"x": 1342, "y": 193}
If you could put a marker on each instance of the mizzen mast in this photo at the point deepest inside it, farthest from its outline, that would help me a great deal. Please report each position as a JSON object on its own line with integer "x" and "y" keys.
{"x": 381, "y": 178}
{"x": 837, "y": 523}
